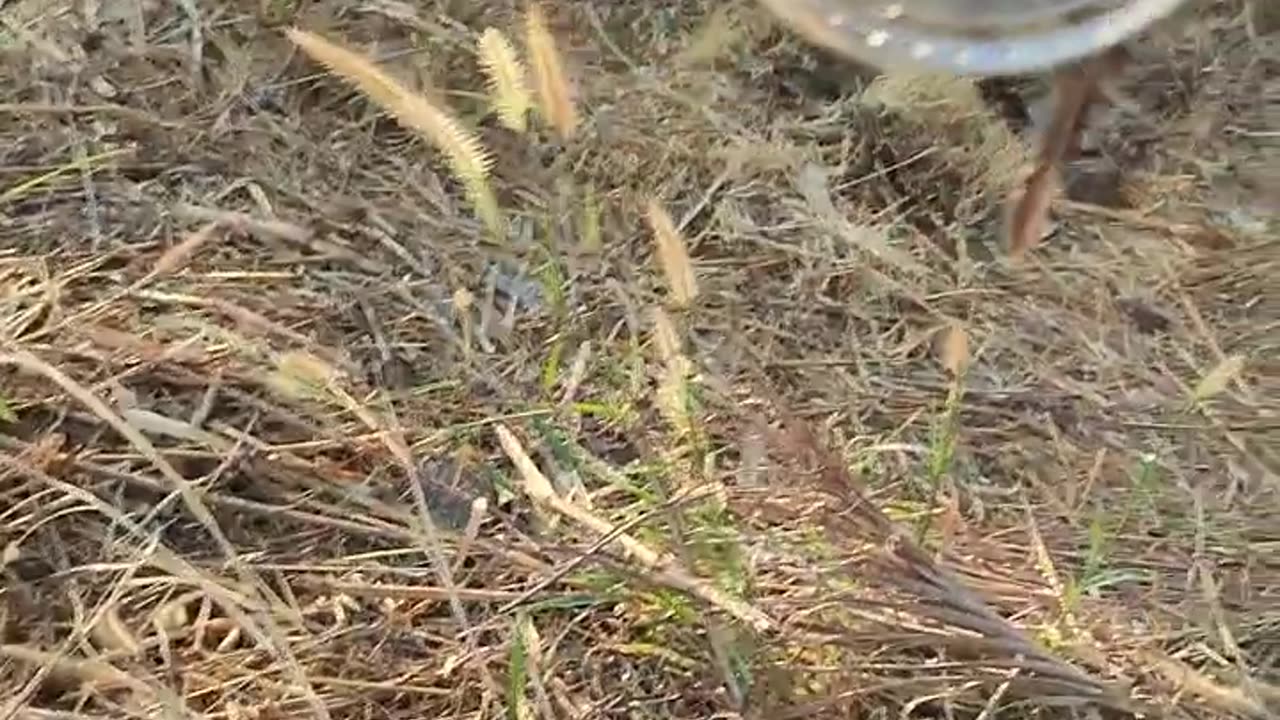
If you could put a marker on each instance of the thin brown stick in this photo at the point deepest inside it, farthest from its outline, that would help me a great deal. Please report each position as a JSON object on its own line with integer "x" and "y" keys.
{"x": 1076, "y": 90}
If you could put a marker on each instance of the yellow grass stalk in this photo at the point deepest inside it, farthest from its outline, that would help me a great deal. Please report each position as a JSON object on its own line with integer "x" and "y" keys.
{"x": 553, "y": 88}
{"x": 466, "y": 156}
{"x": 673, "y": 386}
{"x": 506, "y": 74}
{"x": 673, "y": 256}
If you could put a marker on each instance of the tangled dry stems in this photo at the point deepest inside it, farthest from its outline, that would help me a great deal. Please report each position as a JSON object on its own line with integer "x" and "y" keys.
{"x": 285, "y": 435}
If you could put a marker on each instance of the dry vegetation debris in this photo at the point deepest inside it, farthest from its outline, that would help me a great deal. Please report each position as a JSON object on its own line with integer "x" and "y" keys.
{"x": 610, "y": 359}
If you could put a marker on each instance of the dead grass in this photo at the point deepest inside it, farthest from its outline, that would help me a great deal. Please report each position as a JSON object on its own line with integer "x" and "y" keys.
{"x": 744, "y": 414}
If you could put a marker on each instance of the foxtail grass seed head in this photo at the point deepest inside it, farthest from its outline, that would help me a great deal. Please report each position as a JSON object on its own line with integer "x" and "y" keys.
{"x": 953, "y": 349}
{"x": 554, "y": 97}
{"x": 673, "y": 256}
{"x": 468, "y": 159}
{"x": 508, "y": 93}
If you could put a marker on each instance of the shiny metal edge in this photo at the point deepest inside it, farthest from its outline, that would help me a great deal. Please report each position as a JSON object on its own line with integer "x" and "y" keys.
{"x": 877, "y": 40}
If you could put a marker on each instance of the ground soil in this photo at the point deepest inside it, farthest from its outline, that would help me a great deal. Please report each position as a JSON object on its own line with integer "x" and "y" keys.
{"x": 285, "y": 431}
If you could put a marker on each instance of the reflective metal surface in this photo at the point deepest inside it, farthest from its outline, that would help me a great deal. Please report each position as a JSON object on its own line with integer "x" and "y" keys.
{"x": 970, "y": 37}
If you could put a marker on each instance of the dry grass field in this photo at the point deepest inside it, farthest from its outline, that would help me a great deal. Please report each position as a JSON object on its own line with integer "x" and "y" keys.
{"x": 445, "y": 359}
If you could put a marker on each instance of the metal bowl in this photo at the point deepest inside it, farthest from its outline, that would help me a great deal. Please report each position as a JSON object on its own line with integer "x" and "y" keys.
{"x": 970, "y": 37}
